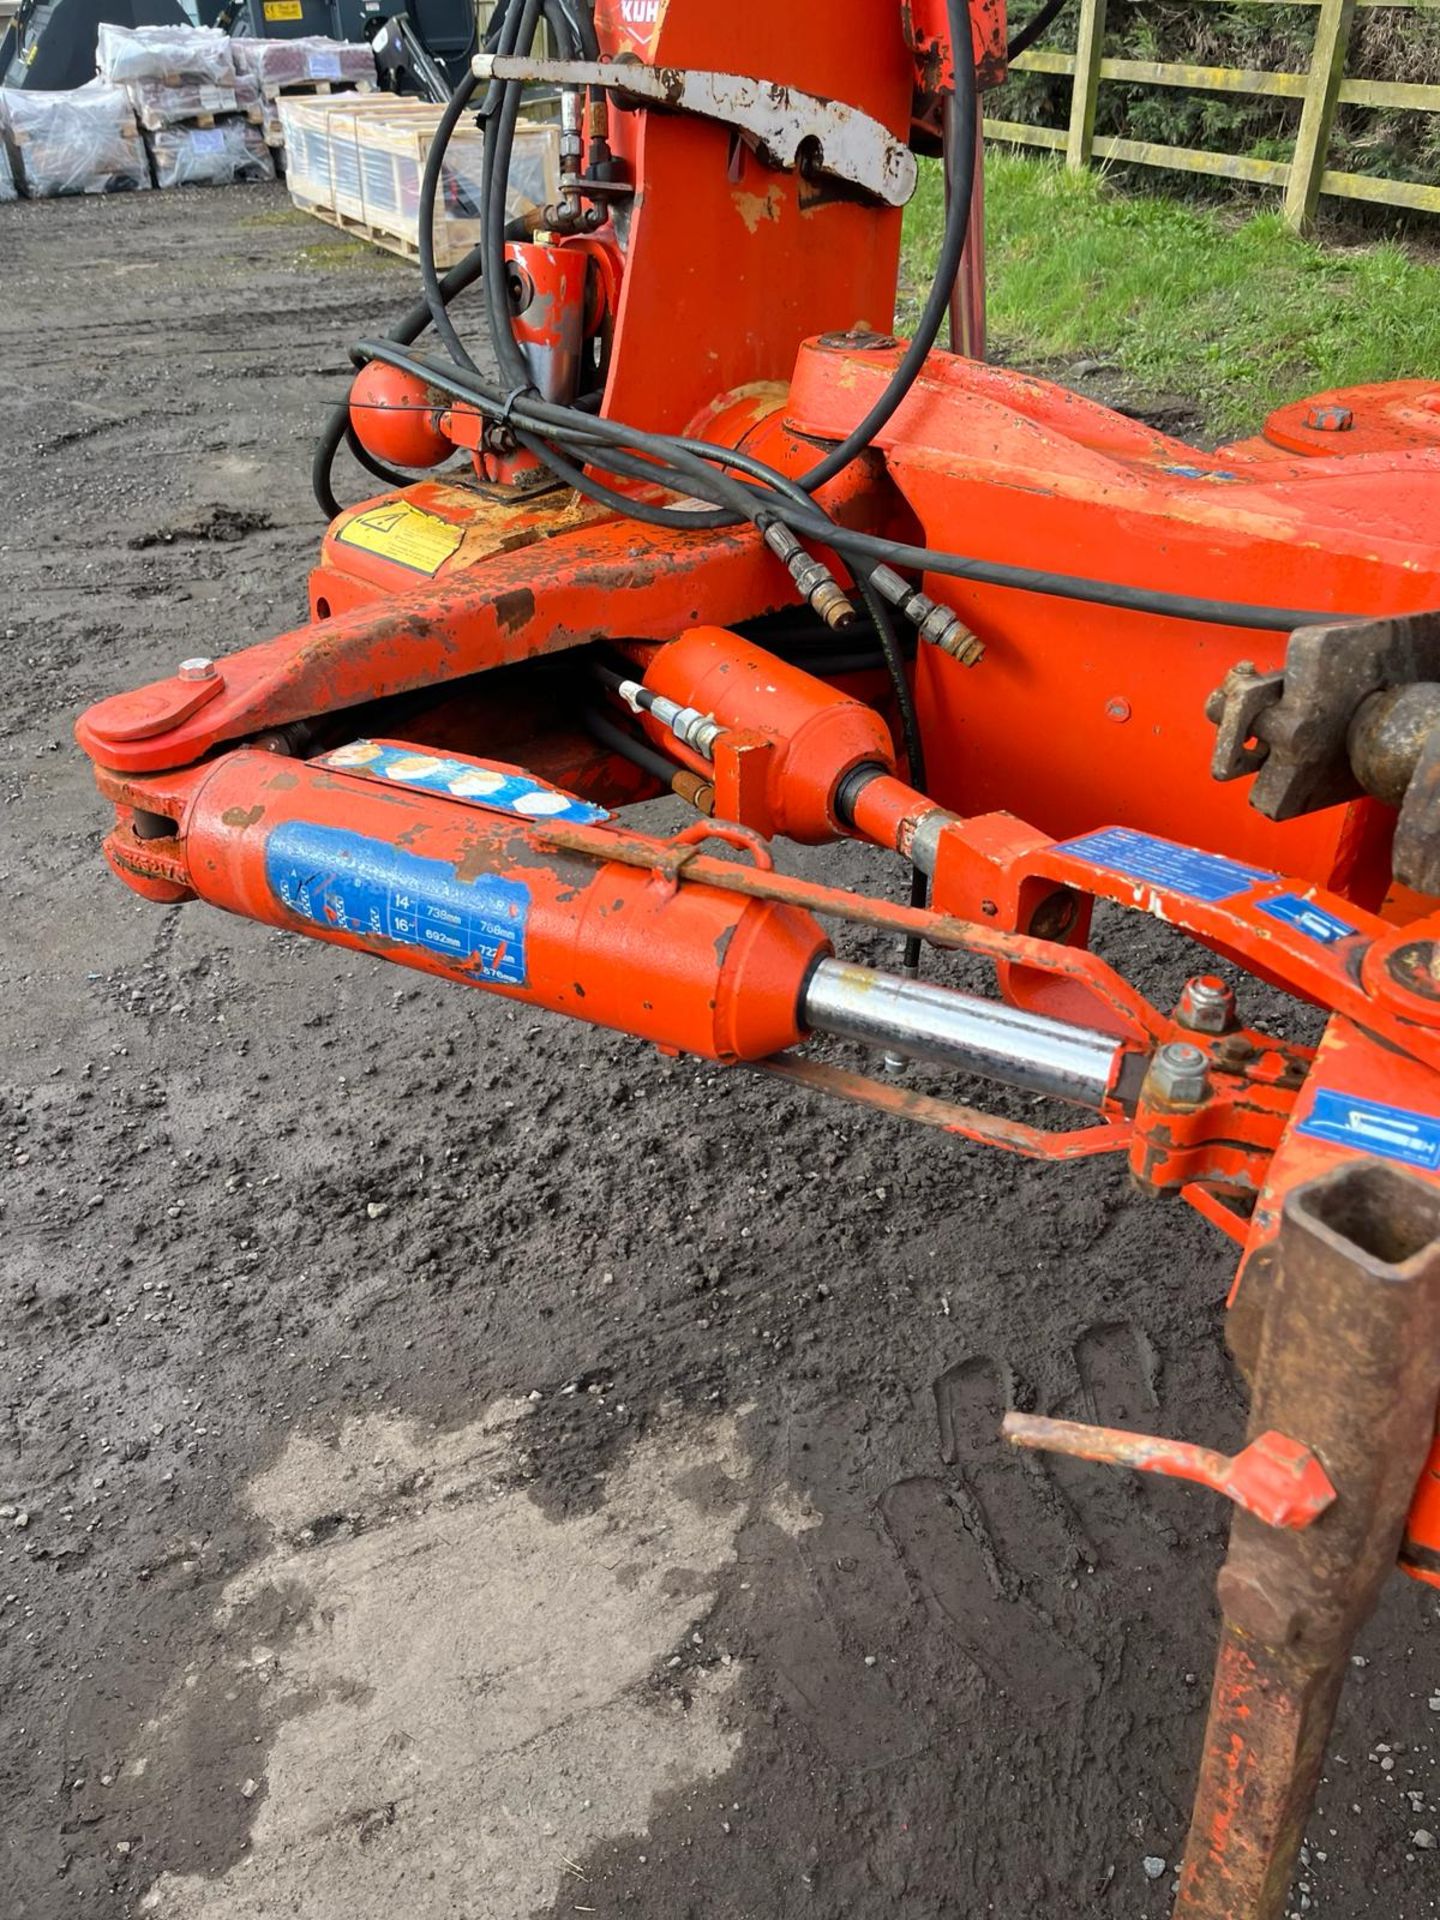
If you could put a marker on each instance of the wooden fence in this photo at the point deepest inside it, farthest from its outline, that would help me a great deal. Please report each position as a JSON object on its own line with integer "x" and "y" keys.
{"x": 1323, "y": 89}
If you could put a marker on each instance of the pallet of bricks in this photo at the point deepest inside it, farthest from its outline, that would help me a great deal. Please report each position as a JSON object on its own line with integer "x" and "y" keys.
{"x": 307, "y": 65}
{"x": 83, "y": 141}
{"x": 200, "y": 117}
{"x": 358, "y": 164}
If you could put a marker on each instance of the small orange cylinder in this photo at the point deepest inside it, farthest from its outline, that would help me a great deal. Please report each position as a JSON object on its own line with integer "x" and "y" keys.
{"x": 820, "y": 734}
{"x": 396, "y": 417}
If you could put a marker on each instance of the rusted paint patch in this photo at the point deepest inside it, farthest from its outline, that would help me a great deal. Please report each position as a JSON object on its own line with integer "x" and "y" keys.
{"x": 755, "y": 207}
{"x": 515, "y": 609}
{"x": 243, "y": 816}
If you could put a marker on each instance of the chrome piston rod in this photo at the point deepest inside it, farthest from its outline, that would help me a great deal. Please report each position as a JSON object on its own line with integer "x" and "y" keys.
{"x": 960, "y": 1030}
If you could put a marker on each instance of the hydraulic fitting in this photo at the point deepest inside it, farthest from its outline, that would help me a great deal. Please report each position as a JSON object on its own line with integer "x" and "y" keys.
{"x": 812, "y": 577}
{"x": 939, "y": 625}
{"x": 693, "y": 729}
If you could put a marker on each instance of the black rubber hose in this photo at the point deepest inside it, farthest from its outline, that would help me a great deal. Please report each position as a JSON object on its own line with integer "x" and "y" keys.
{"x": 865, "y": 550}
{"x": 499, "y": 138}
{"x": 429, "y": 186}
{"x": 1032, "y": 29}
{"x": 952, "y": 248}
{"x": 610, "y": 734}
{"x": 910, "y": 735}
{"x": 899, "y": 683}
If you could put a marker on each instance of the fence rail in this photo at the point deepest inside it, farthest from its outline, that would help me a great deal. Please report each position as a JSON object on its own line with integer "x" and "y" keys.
{"x": 1322, "y": 89}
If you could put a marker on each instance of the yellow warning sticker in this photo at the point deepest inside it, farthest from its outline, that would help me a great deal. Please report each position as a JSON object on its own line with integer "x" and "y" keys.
{"x": 284, "y": 10}
{"x": 402, "y": 533}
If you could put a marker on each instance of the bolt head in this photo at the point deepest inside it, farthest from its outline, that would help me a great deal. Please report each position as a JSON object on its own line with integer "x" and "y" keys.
{"x": 200, "y": 668}
{"x": 1330, "y": 419}
{"x": 1178, "y": 1075}
{"x": 1207, "y": 1005}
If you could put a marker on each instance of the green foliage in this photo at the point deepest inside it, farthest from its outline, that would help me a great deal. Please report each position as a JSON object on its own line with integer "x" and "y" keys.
{"x": 1387, "y": 44}
{"x": 1237, "y": 315}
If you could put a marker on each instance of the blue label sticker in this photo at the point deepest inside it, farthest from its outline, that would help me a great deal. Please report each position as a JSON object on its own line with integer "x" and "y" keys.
{"x": 1367, "y": 1126}
{"x": 478, "y": 784}
{"x": 382, "y": 894}
{"x": 1164, "y": 863}
{"x": 1201, "y": 473}
{"x": 1317, "y": 922}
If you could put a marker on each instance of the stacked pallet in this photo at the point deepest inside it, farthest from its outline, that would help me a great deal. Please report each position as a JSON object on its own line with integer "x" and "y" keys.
{"x": 85, "y": 141}
{"x": 200, "y": 117}
{"x": 307, "y": 65}
{"x": 358, "y": 164}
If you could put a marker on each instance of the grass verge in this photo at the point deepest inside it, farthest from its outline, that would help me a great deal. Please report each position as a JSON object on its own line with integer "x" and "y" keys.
{"x": 1235, "y": 314}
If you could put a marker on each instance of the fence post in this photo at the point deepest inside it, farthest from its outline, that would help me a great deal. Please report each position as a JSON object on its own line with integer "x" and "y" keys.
{"x": 1322, "y": 96}
{"x": 1088, "y": 53}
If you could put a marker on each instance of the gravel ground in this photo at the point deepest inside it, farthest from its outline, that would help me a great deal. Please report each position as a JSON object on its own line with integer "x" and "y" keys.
{"x": 459, "y": 1465}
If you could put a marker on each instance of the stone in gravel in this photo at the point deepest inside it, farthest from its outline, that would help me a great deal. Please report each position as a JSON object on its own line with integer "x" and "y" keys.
{"x": 1152, "y": 1866}
{"x": 1424, "y": 1839}
{"x": 376, "y": 1209}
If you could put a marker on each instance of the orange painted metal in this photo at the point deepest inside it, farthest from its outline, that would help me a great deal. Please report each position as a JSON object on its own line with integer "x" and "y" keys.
{"x": 1274, "y": 1478}
{"x": 397, "y": 417}
{"x": 900, "y": 1102}
{"x": 1225, "y": 1143}
{"x": 1092, "y": 714}
{"x": 1420, "y": 1549}
{"x": 816, "y": 734}
{"x": 614, "y": 945}
{"x": 1080, "y": 721}
{"x": 813, "y": 259}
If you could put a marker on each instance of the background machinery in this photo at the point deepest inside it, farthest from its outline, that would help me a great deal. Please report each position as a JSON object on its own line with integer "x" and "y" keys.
{"x": 706, "y": 525}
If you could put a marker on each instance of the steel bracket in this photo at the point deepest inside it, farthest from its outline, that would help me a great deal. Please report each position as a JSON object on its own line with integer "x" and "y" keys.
{"x": 787, "y": 127}
{"x": 1294, "y": 731}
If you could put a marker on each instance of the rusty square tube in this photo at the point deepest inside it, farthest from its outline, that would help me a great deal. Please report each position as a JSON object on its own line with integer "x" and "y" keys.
{"x": 1349, "y": 1364}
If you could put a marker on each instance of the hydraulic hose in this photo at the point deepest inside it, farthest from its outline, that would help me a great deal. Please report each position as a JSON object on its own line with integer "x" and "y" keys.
{"x": 1032, "y": 29}
{"x": 499, "y": 135}
{"x": 730, "y": 485}
{"x": 338, "y": 429}
{"x": 867, "y": 550}
{"x": 638, "y": 752}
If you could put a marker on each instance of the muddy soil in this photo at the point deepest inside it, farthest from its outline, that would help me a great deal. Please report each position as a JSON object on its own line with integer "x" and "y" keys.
{"x": 459, "y": 1465}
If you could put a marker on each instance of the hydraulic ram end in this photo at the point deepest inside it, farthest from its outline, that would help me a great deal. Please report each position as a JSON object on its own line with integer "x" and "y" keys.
{"x": 960, "y": 1030}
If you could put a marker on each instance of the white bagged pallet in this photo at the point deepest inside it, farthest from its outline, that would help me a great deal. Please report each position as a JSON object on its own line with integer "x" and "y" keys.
{"x": 164, "y": 103}
{"x": 309, "y": 59}
{"x": 84, "y": 141}
{"x": 224, "y": 155}
{"x": 165, "y": 53}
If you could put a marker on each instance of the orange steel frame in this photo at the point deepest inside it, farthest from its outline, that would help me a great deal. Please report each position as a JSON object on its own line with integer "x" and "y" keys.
{"x": 751, "y": 310}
